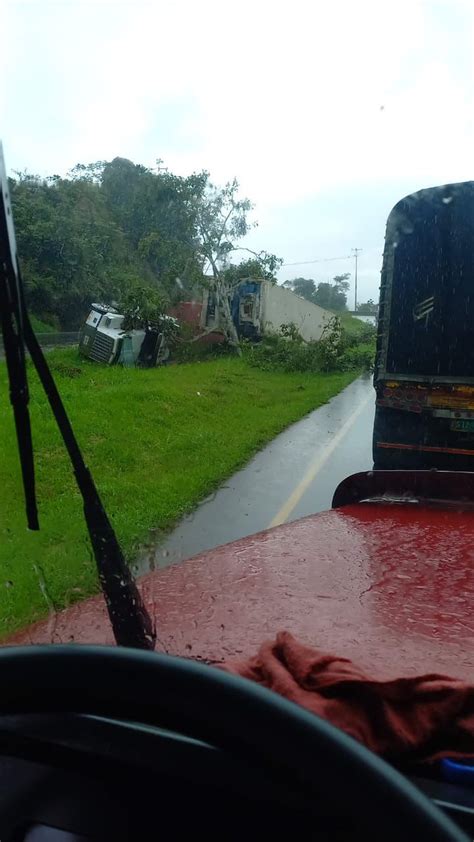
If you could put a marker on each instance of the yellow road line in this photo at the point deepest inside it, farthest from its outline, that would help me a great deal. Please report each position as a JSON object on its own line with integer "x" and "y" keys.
{"x": 283, "y": 514}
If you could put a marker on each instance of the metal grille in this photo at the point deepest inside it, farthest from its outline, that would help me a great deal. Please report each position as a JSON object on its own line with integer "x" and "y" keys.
{"x": 102, "y": 348}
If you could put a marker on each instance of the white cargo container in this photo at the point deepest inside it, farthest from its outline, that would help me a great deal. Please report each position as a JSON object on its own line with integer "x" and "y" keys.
{"x": 260, "y": 307}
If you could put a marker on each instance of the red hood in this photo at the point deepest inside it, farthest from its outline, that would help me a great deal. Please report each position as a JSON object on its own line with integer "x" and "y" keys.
{"x": 389, "y": 586}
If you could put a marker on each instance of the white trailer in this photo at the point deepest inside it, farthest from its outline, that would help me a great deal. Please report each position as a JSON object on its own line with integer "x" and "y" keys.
{"x": 279, "y": 306}
{"x": 260, "y": 307}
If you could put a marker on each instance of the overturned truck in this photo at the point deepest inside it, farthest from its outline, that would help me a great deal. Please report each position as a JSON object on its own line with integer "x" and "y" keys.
{"x": 103, "y": 338}
{"x": 258, "y": 307}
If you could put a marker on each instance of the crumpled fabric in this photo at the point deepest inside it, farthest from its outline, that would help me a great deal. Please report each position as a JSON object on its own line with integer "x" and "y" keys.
{"x": 416, "y": 719}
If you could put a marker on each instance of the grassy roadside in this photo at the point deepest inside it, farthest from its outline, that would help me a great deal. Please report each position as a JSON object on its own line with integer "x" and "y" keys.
{"x": 41, "y": 327}
{"x": 157, "y": 442}
{"x": 351, "y": 323}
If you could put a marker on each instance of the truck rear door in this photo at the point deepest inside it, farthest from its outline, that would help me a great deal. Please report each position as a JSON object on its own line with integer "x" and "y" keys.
{"x": 427, "y": 293}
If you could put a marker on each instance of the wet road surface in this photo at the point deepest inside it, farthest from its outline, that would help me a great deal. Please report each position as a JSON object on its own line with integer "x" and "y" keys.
{"x": 295, "y": 475}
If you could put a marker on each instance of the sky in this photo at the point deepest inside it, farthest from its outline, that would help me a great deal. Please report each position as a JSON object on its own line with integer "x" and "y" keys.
{"x": 327, "y": 113}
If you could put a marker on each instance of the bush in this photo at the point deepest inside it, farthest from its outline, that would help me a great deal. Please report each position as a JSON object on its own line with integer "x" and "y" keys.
{"x": 341, "y": 348}
{"x": 360, "y": 356}
{"x": 187, "y": 351}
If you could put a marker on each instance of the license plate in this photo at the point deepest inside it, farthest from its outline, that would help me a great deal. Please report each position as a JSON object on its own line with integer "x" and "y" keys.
{"x": 463, "y": 425}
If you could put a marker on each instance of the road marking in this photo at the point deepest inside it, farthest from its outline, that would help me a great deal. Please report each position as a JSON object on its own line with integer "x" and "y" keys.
{"x": 283, "y": 514}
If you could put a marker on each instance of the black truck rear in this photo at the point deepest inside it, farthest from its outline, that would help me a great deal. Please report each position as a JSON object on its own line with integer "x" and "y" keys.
{"x": 424, "y": 371}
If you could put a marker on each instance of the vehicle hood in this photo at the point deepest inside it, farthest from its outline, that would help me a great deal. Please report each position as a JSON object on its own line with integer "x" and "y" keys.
{"x": 389, "y": 586}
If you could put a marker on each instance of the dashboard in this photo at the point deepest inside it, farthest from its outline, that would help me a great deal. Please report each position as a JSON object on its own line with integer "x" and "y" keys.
{"x": 80, "y": 777}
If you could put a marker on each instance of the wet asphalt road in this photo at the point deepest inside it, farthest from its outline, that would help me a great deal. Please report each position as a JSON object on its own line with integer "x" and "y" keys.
{"x": 294, "y": 476}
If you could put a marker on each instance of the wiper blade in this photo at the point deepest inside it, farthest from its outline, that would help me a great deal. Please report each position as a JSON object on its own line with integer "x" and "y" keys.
{"x": 130, "y": 620}
{"x": 11, "y": 314}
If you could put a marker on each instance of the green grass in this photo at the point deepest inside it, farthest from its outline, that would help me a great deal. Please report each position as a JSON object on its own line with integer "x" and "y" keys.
{"x": 352, "y": 325}
{"x": 40, "y": 326}
{"x": 157, "y": 441}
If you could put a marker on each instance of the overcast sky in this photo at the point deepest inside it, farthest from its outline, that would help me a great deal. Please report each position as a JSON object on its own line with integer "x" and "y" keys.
{"x": 327, "y": 112}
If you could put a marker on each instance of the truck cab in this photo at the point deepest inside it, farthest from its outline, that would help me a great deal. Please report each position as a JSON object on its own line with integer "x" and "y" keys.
{"x": 100, "y": 337}
{"x": 103, "y": 339}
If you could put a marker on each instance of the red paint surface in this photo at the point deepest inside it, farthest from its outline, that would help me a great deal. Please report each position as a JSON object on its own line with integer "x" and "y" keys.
{"x": 189, "y": 312}
{"x": 389, "y": 586}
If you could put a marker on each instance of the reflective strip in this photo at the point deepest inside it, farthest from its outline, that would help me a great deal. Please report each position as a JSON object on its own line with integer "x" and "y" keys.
{"x": 456, "y": 450}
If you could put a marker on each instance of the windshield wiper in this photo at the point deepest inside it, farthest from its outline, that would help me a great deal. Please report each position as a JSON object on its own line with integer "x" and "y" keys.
{"x": 130, "y": 620}
{"x": 11, "y": 314}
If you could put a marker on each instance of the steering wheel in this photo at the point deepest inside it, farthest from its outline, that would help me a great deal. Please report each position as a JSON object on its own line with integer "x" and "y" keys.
{"x": 229, "y": 713}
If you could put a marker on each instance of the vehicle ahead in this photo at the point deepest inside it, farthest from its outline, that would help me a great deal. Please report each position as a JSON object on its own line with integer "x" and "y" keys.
{"x": 424, "y": 370}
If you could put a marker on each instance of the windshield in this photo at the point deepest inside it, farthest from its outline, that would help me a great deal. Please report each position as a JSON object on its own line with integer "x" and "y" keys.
{"x": 241, "y": 271}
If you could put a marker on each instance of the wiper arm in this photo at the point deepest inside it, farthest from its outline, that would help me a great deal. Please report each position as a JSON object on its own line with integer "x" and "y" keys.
{"x": 130, "y": 620}
{"x": 11, "y": 314}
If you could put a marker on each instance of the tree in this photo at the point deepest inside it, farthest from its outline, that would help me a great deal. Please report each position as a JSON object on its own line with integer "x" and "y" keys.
{"x": 157, "y": 210}
{"x": 111, "y": 225}
{"x": 333, "y": 296}
{"x": 369, "y": 308}
{"x": 221, "y": 222}
{"x": 324, "y": 295}
{"x": 262, "y": 266}
{"x": 304, "y": 287}
{"x": 141, "y": 306}
{"x": 92, "y": 235}
{"x": 329, "y": 296}
{"x": 70, "y": 247}
{"x": 340, "y": 289}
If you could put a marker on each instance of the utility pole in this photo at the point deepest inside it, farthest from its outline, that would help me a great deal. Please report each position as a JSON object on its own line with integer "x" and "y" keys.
{"x": 356, "y": 255}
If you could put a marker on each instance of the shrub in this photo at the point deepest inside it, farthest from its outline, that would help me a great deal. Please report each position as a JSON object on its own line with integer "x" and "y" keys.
{"x": 340, "y": 348}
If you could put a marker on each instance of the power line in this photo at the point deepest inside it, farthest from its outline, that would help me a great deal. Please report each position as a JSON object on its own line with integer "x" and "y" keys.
{"x": 319, "y": 260}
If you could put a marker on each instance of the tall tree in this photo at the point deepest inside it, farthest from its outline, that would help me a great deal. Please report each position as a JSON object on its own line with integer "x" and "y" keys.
{"x": 221, "y": 222}
{"x": 329, "y": 296}
{"x": 157, "y": 210}
{"x": 110, "y": 227}
{"x": 333, "y": 296}
{"x": 71, "y": 249}
{"x": 304, "y": 287}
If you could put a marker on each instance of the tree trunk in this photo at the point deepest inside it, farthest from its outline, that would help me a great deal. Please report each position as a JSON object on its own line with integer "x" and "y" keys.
{"x": 225, "y": 316}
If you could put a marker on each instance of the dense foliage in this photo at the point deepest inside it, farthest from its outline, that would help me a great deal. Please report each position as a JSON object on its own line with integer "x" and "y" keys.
{"x": 345, "y": 345}
{"x": 111, "y": 228}
{"x": 330, "y": 296}
{"x": 367, "y": 308}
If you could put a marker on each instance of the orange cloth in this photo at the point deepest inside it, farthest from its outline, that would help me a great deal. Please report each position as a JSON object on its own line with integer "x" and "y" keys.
{"x": 407, "y": 719}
